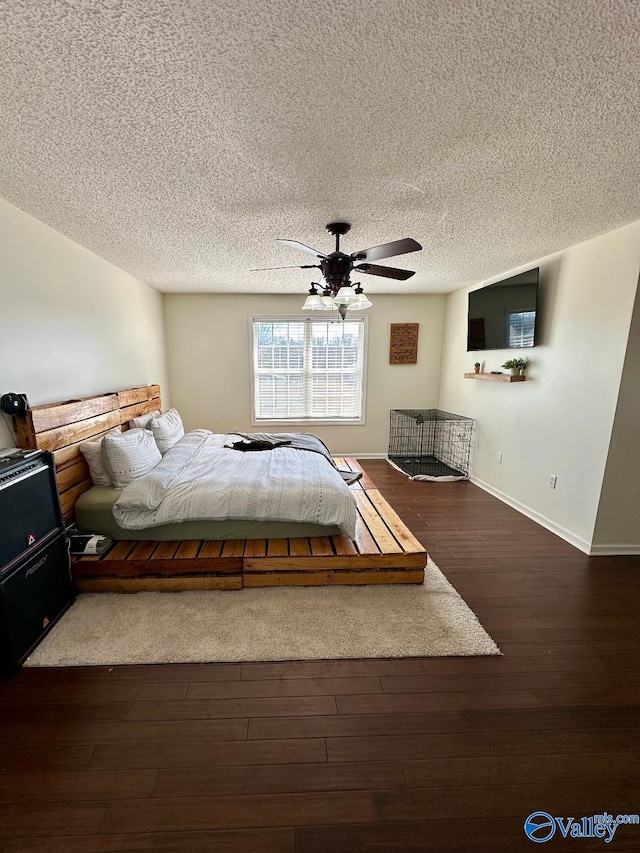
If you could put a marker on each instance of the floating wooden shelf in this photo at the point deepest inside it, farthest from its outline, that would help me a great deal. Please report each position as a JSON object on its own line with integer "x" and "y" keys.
{"x": 495, "y": 377}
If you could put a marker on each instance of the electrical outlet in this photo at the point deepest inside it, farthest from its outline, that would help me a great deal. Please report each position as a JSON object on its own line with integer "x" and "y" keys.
{"x": 499, "y": 459}
{"x": 553, "y": 479}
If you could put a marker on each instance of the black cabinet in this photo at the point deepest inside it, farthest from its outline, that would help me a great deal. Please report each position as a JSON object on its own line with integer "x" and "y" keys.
{"x": 35, "y": 578}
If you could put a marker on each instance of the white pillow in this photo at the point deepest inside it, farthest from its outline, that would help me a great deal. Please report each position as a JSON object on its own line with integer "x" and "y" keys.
{"x": 94, "y": 457}
{"x": 142, "y": 422}
{"x": 130, "y": 455}
{"x": 167, "y": 430}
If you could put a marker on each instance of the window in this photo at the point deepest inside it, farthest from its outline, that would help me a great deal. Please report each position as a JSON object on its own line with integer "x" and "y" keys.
{"x": 308, "y": 370}
{"x": 521, "y": 327}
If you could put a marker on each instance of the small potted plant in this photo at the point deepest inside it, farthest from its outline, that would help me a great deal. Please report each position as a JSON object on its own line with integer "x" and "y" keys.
{"x": 476, "y": 367}
{"x": 516, "y": 365}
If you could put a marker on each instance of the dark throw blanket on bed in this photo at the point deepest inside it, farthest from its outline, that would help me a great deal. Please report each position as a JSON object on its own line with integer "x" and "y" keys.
{"x": 257, "y": 441}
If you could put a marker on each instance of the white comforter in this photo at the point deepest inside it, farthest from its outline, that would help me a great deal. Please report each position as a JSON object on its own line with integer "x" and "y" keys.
{"x": 199, "y": 478}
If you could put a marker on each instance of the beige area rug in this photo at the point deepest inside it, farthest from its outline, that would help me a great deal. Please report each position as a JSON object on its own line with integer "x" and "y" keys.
{"x": 281, "y": 623}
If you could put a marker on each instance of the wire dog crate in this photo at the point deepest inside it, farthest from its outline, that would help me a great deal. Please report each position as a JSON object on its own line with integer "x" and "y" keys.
{"x": 430, "y": 443}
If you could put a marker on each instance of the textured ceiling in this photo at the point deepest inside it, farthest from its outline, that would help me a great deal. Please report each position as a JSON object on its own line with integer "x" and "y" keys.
{"x": 179, "y": 138}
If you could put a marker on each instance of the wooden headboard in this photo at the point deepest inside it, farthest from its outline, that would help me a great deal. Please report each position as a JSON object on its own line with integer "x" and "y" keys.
{"x": 60, "y": 427}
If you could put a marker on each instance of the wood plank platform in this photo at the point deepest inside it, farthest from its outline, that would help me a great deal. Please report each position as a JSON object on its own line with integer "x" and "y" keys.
{"x": 383, "y": 551}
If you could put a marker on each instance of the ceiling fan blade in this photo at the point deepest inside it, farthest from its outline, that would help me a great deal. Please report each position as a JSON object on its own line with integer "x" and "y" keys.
{"x": 302, "y": 248}
{"x": 387, "y": 250}
{"x": 294, "y": 267}
{"x": 385, "y": 272}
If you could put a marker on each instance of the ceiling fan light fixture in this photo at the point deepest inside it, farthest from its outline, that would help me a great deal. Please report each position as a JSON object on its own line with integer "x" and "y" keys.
{"x": 361, "y": 300}
{"x": 313, "y": 303}
{"x": 336, "y": 267}
{"x": 345, "y": 296}
{"x": 361, "y": 304}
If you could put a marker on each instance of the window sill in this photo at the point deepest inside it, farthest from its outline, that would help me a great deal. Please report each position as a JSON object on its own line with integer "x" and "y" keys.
{"x": 309, "y": 421}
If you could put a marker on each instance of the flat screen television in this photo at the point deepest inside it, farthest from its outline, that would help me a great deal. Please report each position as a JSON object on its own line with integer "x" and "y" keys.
{"x": 503, "y": 315}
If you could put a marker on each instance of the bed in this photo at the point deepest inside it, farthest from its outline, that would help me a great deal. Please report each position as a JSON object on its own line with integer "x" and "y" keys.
{"x": 225, "y": 555}
{"x": 203, "y": 489}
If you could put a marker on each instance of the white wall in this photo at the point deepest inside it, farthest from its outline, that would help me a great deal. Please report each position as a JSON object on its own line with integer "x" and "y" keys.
{"x": 560, "y": 420}
{"x": 617, "y": 528}
{"x": 208, "y": 355}
{"x": 72, "y": 324}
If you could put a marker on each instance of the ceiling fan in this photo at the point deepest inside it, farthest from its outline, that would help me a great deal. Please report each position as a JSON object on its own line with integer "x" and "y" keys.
{"x": 336, "y": 267}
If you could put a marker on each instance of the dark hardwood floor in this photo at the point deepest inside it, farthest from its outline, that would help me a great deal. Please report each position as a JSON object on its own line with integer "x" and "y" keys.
{"x": 446, "y": 754}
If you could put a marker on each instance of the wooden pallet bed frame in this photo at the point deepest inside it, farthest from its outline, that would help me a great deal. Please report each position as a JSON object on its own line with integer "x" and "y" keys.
{"x": 384, "y": 549}
{"x": 62, "y": 427}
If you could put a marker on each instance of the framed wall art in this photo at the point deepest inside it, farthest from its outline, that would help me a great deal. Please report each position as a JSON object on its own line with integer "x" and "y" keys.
{"x": 403, "y": 347}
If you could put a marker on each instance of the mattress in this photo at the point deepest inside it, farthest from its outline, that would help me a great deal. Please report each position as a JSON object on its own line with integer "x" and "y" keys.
{"x": 94, "y": 514}
{"x": 200, "y": 478}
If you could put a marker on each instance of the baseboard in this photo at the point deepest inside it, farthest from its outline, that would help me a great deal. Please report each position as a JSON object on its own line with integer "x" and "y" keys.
{"x": 362, "y": 455}
{"x": 562, "y": 532}
{"x": 610, "y": 549}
